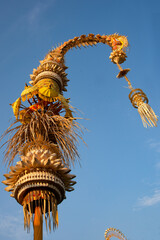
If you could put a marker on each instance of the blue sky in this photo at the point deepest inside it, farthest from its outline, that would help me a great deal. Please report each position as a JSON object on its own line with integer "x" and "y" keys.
{"x": 118, "y": 184}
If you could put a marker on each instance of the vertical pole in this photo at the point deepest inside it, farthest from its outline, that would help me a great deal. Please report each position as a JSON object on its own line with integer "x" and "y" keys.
{"x": 38, "y": 224}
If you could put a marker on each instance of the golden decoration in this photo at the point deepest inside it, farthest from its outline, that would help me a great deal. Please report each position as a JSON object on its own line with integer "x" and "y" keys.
{"x": 54, "y": 129}
{"x": 51, "y": 73}
{"x": 123, "y": 73}
{"x": 39, "y": 180}
{"x": 113, "y": 232}
{"x": 45, "y": 134}
{"x": 139, "y": 100}
{"x": 118, "y": 56}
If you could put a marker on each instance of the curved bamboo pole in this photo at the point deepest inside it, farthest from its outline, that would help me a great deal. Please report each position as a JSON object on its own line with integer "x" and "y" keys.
{"x": 118, "y": 44}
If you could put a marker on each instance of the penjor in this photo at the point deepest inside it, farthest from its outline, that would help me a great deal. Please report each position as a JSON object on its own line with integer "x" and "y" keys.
{"x": 45, "y": 133}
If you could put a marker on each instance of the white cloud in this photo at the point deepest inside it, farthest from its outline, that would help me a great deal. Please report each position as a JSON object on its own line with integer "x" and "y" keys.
{"x": 36, "y": 12}
{"x": 154, "y": 145}
{"x": 157, "y": 165}
{"x": 11, "y": 227}
{"x": 149, "y": 201}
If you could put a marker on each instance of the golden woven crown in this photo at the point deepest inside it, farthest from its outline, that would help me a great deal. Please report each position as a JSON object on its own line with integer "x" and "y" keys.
{"x": 50, "y": 68}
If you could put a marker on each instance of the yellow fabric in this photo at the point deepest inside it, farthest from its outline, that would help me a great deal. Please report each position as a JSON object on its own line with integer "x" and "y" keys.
{"x": 47, "y": 99}
{"x": 16, "y": 106}
{"x": 49, "y": 91}
{"x": 29, "y": 92}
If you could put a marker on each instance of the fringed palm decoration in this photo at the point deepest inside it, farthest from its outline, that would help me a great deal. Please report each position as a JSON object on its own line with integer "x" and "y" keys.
{"x": 45, "y": 133}
{"x": 49, "y": 79}
{"x": 46, "y": 130}
{"x": 39, "y": 179}
{"x": 113, "y": 232}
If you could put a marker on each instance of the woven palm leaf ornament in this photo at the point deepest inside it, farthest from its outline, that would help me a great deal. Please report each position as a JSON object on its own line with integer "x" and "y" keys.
{"x": 49, "y": 79}
{"x": 45, "y": 133}
{"x": 113, "y": 232}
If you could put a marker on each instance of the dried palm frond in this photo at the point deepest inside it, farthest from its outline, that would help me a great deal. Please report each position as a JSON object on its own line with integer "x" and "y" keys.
{"x": 29, "y": 92}
{"x": 53, "y": 129}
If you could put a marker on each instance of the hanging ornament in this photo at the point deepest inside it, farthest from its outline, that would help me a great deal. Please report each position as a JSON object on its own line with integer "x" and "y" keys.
{"x": 139, "y": 100}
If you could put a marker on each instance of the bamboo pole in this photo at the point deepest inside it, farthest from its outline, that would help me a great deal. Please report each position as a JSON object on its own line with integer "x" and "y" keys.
{"x": 38, "y": 224}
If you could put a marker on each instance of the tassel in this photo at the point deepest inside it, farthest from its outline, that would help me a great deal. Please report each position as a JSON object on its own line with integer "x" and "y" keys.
{"x": 39, "y": 203}
{"x": 44, "y": 206}
{"x": 56, "y": 213}
{"x": 35, "y": 199}
{"x": 45, "y": 217}
{"x": 31, "y": 195}
{"x": 53, "y": 211}
{"x": 46, "y": 223}
{"x": 49, "y": 213}
{"x": 42, "y": 194}
{"x": 25, "y": 217}
{"x": 57, "y": 221}
{"x": 139, "y": 100}
{"x": 29, "y": 205}
{"x": 148, "y": 116}
{"x": 28, "y": 222}
{"x": 29, "y": 217}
